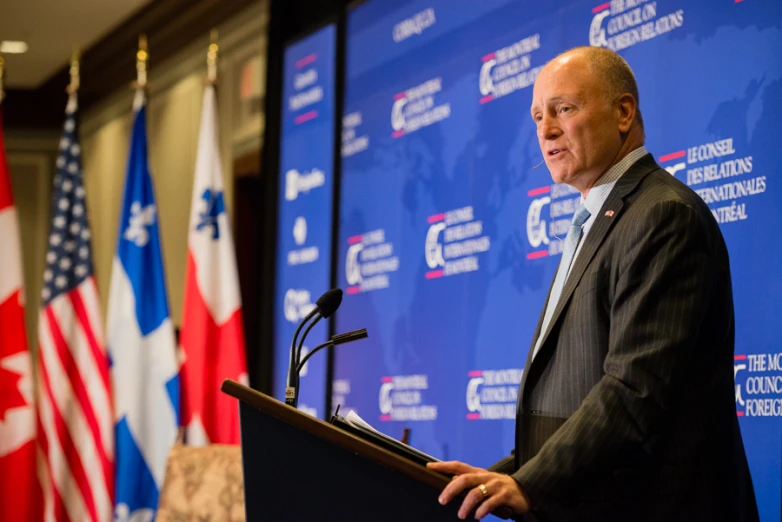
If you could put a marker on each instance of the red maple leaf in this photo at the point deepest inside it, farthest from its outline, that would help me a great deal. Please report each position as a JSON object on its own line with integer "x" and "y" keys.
{"x": 10, "y": 396}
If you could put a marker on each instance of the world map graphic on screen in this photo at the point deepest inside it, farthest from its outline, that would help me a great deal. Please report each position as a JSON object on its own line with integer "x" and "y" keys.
{"x": 450, "y": 232}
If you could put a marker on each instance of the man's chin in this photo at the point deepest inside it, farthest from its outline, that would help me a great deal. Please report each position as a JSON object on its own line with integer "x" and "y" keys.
{"x": 558, "y": 175}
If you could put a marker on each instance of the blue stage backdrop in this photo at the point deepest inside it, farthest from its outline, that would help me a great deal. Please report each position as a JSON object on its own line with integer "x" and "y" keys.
{"x": 305, "y": 202}
{"x": 448, "y": 239}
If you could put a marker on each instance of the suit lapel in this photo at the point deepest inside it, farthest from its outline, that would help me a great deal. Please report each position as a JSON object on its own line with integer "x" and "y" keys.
{"x": 604, "y": 222}
{"x": 534, "y": 338}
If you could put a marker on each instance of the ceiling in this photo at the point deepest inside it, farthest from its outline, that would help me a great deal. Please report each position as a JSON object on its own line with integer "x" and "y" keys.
{"x": 52, "y": 28}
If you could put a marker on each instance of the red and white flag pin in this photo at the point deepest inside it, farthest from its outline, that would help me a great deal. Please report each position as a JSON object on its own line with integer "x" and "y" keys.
{"x": 610, "y": 213}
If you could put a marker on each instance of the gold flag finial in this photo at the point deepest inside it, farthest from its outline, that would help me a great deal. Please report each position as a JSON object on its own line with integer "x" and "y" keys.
{"x": 75, "y": 78}
{"x": 211, "y": 58}
{"x": 142, "y": 55}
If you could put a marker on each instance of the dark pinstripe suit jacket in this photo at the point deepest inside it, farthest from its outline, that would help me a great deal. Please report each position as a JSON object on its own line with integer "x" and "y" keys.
{"x": 627, "y": 413}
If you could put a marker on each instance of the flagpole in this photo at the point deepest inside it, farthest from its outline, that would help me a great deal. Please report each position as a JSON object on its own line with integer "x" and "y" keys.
{"x": 2, "y": 90}
{"x": 142, "y": 56}
{"x": 73, "y": 87}
{"x": 140, "y": 85}
{"x": 211, "y": 59}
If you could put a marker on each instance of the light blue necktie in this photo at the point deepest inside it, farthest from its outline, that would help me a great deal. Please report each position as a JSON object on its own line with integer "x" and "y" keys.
{"x": 571, "y": 245}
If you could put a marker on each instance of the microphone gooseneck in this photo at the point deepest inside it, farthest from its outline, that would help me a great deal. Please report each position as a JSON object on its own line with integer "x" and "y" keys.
{"x": 318, "y": 317}
{"x": 325, "y": 306}
{"x": 336, "y": 340}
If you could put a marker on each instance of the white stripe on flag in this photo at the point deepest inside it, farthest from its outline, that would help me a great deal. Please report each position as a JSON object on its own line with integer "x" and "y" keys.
{"x": 68, "y": 403}
{"x": 62, "y": 478}
{"x": 89, "y": 294}
{"x": 89, "y": 370}
{"x": 141, "y": 367}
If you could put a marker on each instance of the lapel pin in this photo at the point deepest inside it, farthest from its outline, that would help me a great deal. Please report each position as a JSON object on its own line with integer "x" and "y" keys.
{"x": 610, "y": 213}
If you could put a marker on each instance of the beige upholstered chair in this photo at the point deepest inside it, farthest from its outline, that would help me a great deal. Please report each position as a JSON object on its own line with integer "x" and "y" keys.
{"x": 202, "y": 485}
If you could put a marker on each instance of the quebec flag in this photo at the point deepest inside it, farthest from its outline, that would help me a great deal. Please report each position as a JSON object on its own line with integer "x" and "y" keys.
{"x": 145, "y": 368}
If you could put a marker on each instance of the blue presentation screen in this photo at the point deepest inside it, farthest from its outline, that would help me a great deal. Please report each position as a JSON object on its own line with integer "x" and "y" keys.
{"x": 449, "y": 236}
{"x": 305, "y": 203}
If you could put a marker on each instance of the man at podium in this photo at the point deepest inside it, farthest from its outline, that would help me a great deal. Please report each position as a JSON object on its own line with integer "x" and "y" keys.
{"x": 626, "y": 411}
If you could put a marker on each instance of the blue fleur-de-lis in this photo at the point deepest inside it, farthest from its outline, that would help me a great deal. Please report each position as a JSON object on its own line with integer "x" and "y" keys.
{"x": 214, "y": 205}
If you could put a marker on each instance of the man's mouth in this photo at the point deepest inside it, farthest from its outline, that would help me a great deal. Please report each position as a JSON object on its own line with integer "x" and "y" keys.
{"x": 554, "y": 152}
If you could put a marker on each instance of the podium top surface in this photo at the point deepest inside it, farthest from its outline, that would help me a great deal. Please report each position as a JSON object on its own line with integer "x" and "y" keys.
{"x": 332, "y": 434}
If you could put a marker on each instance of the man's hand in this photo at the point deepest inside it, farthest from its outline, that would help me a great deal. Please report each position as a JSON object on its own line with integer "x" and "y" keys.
{"x": 500, "y": 490}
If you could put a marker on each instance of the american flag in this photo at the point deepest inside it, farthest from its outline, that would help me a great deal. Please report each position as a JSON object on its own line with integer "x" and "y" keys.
{"x": 75, "y": 421}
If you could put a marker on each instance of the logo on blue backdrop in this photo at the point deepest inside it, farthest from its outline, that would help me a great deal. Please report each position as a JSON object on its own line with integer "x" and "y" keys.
{"x": 492, "y": 394}
{"x": 297, "y": 304}
{"x": 301, "y": 183}
{"x": 454, "y": 243}
{"x": 300, "y": 230}
{"x": 758, "y": 379}
{"x": 415, "y": 25}
{"x": 352, "y": 142}
{"x": 508, "y": 69}
{"x": 340, "y": 390}
{"x": 415, "y": 108}
{"x": 620, "y": 24}
{"x": 303, "y": 255}
{"x": 401, "y": 398}
{"x": 548, "y": 219}
{"x": 307, "y": 92}
{"x": 369, "y": 262}
{"x": 720, "y": 175}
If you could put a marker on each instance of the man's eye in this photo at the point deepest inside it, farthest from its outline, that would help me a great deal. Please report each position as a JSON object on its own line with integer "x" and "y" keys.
{"x": 564, "y": 109}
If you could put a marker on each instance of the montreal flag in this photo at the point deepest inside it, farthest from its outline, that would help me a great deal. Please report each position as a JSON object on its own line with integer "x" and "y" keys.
{"x": 141, "y": 343}
{"x": 212, "y": 335}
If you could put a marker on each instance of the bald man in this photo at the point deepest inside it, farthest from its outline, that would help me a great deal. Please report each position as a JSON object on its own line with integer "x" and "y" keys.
{"x": 626, "y": 410}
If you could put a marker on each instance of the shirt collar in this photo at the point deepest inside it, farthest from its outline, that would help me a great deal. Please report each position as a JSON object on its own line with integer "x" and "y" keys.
{"x": 598, "y": 194}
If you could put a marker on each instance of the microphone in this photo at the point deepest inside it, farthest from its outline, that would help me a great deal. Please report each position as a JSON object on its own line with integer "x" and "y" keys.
{"x": 335, "y": 340}
{"x": 329, "y": 302}
{"x": 325, "y": 306}
{"x": 539, "y": 164}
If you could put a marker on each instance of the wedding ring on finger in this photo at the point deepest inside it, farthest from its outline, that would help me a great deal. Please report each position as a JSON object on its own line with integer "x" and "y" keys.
{"x": 484, "y": 491}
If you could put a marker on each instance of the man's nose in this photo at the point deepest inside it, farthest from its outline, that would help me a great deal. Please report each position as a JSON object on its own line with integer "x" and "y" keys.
{"x": 548, "y": 129}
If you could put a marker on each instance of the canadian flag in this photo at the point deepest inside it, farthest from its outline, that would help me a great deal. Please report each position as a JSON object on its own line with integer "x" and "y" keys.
{"x": 20, "y": 493}
{"x": 212, "y": 335}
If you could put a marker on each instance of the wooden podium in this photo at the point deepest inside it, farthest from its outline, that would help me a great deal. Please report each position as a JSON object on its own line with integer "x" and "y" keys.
{"x": 300, "y": 469}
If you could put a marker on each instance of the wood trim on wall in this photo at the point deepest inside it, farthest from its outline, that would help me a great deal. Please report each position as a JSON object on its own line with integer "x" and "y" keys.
{"x": 170, "y": 25}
